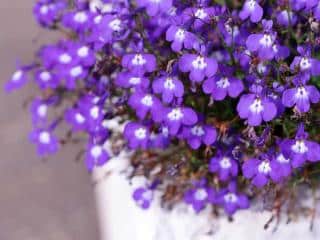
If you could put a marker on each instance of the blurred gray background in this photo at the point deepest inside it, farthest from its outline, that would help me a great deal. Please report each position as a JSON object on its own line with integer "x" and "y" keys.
{"x": 50, "y": 200}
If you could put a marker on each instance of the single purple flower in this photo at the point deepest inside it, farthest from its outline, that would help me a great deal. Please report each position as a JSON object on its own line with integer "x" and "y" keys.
{"x": 284, "y": 165}
{"x": 96, "y": 156}
{"x": 300, "y": 97}
{"x": 169, "y": 87}
{"x": 256, "y": 109}
{"x": 143, "y": 197}
{"x": 144, "y": 103}
{"x": 199, "y": 196}
{"x": 17, "y": 80}
{"x": 174, "y": 118}
{"x": 39, "y": 111}
{"x": 76, "y": 119}
{"x": 199, "y": 134}
{"x": 220, "y": 86}
{"x": 263, "y": 42}
{"x": 46, "y": 79}
{"x": 45, "y": 141}
{"x": 78, "y": 21}
{"x": 286, "y": 18}
{"x": 180, "y": 38}
{"x": 198, "y": 66}
{"x": 137, "y": 135}
{"x": 252, "y": 9}
{"x": 305, "y": 63}
{"x": 224, "y": 165}
{"x": 231, "y": 200}
{"x": 130, "y": 80}
{"x": 300, "y": 149}
{"x": 261, "y": 170}
{"x": 139, "y": 62}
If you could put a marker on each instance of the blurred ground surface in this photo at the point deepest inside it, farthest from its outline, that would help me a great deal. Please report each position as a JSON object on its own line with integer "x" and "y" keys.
{"x": 38, "y": 200}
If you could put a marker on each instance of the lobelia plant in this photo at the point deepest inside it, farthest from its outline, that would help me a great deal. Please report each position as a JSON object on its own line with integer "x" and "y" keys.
{"x": 219, "y": 99}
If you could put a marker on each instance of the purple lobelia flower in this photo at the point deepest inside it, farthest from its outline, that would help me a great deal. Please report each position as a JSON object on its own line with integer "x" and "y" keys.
{"x": 78, "y": 21}
{"x": 39, "y": 111}
{"x": 284, "y": 165}
{"x": 300, "y": 149}
{"x": 231, "y": 200}
{"x": 200, "y": 16}
{"x": 223, "y": 84}
{"x": 139, "y": 63}
{"x": 76, "y": 119}
{"x": 261, "y": 170}
{"x": 137, "y": 135}
{"x": 180, "y": 38}
{"x": 263, "y": 42}
{"x": 45, "y": 141}
{"x": 18, "y": 80}
{"x": 199, "y": 196}
{"x": 72, "y": 74}
{"x": 169, "y": 87}
{"x": 300, "y": 97}
{"x": 144, "y": 103}
{"x": 47, "y": 12}
{"x": 143, "y": 197}
{"x": 305, "y": 63}
{"x": 96, "y": 156}
{"x": 130, "y": 80}
{"x": 155, "y": 7}
{"x": 46, "y": 79}
{"x": 252, "y": 9}
{"x": 256, "y": 108}
{"x": 199, "y": 134}
{"x": 174, "y": 118}
{"x": 198, "y": 66}
{"x": 224, "y": 165}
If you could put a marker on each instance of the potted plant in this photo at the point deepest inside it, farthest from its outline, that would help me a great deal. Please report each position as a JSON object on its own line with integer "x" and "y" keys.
{"x": 192, "y": 111}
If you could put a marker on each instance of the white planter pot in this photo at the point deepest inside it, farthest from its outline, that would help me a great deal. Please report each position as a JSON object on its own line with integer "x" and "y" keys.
{"x": 121, "y": 219}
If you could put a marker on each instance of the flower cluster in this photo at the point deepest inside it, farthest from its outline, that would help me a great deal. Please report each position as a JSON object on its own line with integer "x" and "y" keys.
{"x": 222, "y": 96}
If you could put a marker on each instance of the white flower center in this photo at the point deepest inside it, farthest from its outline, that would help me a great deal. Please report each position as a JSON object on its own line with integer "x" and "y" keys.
{"x": 200, "y": 13}
{"x": 115, "y": 25}
{"x": 180, "y": 35}
{"x": 135, "y": 80}
{"x": 45, "y": 76}
{"x": 261, "y": 67}
{"x": 17, "y": 75}
{"x": 147, "y": 100}
{"x": 168, "y": 84}
{"x": 79, "y": 118}
{"x": 140, "y": 133}
{"x": 80, "y": 17}
{"x": 230, "y": 198}
{"x": 251, "y": 5}
{"x": 256, "y": 107}
{"x": 225, "y": 163}
{"x": 223, "y": 83}
{"x": 42, "y": 110}
{"x": 83, "y": 51}
{"x": 76, "y": 71}
{"x": 96, "y": 151}
{"x": 175, "y": 114}
{"x": 264, "y": 167}
{"x": 197, "y": 131}
{"x": 44, "y": 9}
{"x": 199, "y": 63}
{"x": 44, "y": 137}
{"x": 301, "y": 93}
{"x": 266, "y": 40}
{"x": 200, "y": 194}
{"x": 234, "y": 31}
{"x": 138, "y": 60}
{"x": 299, "y": 147}
{"x": 65, "y": 58}
{"x": 305, "y": 63}
{"x": 94, "y": 112}
{"x": 282, "y": 159}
